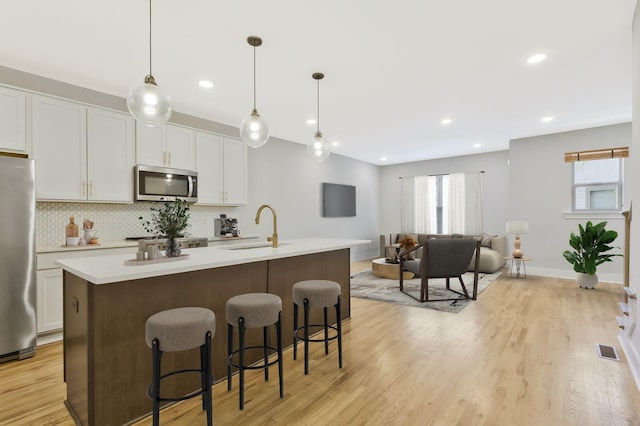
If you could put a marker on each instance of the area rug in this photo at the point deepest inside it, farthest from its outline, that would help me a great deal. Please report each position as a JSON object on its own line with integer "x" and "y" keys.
{"x": 365, "y": 285}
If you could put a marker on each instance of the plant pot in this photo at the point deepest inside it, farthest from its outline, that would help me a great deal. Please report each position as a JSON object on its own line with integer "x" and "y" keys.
{"x": 586, "y": 280}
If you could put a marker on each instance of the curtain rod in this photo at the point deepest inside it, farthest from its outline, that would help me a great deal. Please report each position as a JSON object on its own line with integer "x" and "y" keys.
{"x": 439, "y": 174}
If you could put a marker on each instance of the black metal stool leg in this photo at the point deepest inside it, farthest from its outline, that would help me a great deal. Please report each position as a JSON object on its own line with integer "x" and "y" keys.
{"x": 266, "y": 354}
{"x": 229, "y": 352}
{"x": 295, "y": 331}
{"x": 339, "y": 327}
{"x": 306, "y": 336}
{"x": 241, "y": 331}
{"x": 280, "y": 369}
{"x": 326, "y": 333}
{"x": 207, "y": 394}
{"x": 157, "y": 355}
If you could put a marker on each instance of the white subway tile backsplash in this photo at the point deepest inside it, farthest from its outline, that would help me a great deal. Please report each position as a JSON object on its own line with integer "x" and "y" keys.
{"x": 112, "y": 221}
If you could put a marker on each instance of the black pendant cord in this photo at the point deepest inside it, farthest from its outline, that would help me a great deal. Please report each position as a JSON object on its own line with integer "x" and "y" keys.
{"x": 150, "y": 73}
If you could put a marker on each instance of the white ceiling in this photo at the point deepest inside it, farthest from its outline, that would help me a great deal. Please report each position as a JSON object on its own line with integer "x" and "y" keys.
{"x": 393, "y": 70}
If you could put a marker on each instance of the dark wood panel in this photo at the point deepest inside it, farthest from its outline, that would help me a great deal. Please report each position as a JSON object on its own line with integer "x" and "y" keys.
{"x": 284, "y": 273}
{"x": 76, "y": 345}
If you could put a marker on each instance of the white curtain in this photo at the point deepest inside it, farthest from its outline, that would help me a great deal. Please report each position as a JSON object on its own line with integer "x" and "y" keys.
{"x": 456, "y": 210}
{"x": 473, "y": 203}
{"x": 465, "y": 203}
{"x": 425, "y": 220}
{"x": 407, "y": 205}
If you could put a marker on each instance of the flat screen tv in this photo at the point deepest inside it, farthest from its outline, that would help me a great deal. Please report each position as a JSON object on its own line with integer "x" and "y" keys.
{"x": 339, "y": 200}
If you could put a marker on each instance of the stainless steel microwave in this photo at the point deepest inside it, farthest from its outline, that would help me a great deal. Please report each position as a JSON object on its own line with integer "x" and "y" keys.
{"x": 163, "y": 184}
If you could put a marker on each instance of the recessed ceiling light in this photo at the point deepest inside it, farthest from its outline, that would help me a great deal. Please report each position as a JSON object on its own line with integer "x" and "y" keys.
{"x": 538, "y": 57}
{"x": 446, "y": 121}
{"x": 477, "y": 145}
{"x": 335, "y": 143}
{"x": 383, "y": 158}
{"x": 206, "y": 84}
{"x": 547, "y": 119}
{"x": 311, "y": 121}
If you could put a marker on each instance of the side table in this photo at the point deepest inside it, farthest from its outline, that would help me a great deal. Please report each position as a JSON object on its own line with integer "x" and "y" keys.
{"x": 518, "y": 262}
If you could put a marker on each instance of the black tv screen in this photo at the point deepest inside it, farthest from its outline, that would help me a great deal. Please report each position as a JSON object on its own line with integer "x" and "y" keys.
{"x": 339, "y": 200}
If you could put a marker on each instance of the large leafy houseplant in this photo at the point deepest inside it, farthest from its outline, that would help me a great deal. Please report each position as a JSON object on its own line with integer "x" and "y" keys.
{"x": 590, "y": 247}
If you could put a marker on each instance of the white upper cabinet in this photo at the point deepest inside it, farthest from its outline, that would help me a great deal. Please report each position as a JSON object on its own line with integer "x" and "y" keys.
{"x": 222, "y": 170}
{"x": 110, "y": 155}
{"x": 82, "y": 154}
{"x": 235, "y": 172}
{"x": 166, "y": 146}
{"x": 59, "y": 148}
{"x": 13, "y": 112}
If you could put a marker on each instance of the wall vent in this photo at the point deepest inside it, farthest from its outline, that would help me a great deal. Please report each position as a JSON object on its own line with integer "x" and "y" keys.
{"x": 608, "y": 352}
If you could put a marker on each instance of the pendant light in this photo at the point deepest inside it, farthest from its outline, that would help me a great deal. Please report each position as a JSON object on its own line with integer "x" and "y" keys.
{"x": 148, "y": 104}
{"x": 318, "y": 148}
{"x": 253, "y": 129}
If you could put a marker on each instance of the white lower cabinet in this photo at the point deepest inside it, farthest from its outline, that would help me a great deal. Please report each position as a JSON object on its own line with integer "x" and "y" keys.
{"x": 49, "y": 279}
{"x": 49, "y": 301}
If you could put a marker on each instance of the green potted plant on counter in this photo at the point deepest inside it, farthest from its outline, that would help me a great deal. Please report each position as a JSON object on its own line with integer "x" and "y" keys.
{"x": 589, "y": 251}
{"x": 169, "y": 220}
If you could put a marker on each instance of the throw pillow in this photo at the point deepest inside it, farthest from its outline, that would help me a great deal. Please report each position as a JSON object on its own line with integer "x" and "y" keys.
{"x": 486, "y": 240}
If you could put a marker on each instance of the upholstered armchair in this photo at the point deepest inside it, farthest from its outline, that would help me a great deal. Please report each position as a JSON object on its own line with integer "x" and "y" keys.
{"x": 442, "y": 258}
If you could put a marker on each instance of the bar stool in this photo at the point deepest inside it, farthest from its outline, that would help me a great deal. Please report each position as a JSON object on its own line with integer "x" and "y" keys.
{"x": 253, "y": 310}
{"x": 181, "y": 329}
{"x": 316, "y": 294}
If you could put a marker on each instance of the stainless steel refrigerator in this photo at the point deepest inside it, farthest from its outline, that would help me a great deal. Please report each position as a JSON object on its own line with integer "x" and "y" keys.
{"x": 17, "y": 258}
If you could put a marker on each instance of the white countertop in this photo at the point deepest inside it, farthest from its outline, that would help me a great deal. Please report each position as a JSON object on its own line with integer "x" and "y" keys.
{"x": 115, "y": 268}
{"x": 124, "y": 243}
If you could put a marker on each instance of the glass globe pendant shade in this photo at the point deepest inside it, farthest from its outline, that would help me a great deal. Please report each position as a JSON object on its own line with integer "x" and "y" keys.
{"x": 318, "y": 149}
{"x": 148, "y": 104}
{"x": 254, "y": 130}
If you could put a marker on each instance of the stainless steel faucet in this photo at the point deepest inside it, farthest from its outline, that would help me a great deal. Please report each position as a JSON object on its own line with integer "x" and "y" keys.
{"x": 273, "y": 238}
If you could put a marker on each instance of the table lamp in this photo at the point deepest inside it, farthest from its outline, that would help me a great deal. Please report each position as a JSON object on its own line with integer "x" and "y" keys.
{"x": 517, "y": 227}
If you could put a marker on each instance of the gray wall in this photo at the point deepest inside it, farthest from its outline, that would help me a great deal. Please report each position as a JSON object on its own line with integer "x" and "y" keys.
{"x": 540, "y": 186}
{"x": 281, "y": 175}
{"x": 495, "y": 182}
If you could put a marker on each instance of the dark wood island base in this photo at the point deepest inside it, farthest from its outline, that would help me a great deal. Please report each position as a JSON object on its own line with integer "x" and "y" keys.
{"x": 107, "y": 364}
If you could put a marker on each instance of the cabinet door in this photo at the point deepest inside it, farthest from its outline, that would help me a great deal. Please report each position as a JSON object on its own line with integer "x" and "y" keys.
{"x": 235, "y": 172}
{"x": 181, "y": 147}
{"x": 209, "y": 163}
{"x": 110, "y": 155}
{"x": 59, "y": 148}
{"x": 49, "y": 306}
{"x": 150, "y": 149}
{"x": 12, "y": 120}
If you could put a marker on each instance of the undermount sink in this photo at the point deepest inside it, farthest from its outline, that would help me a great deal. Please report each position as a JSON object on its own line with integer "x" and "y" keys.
{"x": 253, "y": 246}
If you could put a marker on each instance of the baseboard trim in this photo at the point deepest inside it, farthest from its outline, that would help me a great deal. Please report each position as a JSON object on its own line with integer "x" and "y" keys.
{"x": 570, "y": 274}
{"x": 632, "y": 357}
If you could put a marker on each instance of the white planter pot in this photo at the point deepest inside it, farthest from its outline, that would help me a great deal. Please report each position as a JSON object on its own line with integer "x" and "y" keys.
{"x": 586, "y": 280}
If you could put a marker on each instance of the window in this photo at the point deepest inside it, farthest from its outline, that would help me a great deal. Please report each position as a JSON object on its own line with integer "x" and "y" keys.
{"x": 597, "y": 185}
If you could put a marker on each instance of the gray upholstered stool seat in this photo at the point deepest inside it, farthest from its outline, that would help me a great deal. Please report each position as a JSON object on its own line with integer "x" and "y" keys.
{"x": 253, "y": 310}
{"x": 257, "y": 309}
{"x": 321, "y": 293}
{"x": 316, "y": 294}
{"x": 181, "y": 329}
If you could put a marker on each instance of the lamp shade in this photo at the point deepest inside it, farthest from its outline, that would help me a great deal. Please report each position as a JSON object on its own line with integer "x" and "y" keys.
{"x": 517, "y": 227}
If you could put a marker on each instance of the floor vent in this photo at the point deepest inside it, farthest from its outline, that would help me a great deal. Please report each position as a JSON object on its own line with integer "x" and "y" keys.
{"x": 608, "y": 352}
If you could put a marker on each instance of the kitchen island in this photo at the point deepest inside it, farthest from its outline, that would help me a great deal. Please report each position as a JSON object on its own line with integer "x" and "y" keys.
{"x": 108, "y": 299}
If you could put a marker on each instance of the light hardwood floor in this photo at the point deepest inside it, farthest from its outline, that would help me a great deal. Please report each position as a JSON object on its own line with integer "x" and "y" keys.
{"x": 522, "y": 354}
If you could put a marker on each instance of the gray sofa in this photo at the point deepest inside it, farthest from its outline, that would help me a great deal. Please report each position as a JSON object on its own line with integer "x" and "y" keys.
{"x": 493, "y": 248}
